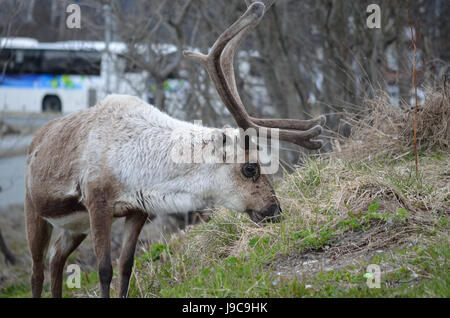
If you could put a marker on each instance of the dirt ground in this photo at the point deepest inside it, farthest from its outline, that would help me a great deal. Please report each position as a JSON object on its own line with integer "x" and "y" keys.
{"x": 350, "y": 250}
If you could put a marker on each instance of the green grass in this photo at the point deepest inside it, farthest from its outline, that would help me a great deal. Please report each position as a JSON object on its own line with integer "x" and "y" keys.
{"x": 231, "y": 257}
{"x": 329, "y": 205}
{"x": 250, "y": 276}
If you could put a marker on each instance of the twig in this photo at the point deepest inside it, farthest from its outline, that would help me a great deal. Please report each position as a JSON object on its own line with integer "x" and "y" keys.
{"x": 413, "y": 42}
{"x": 9, "y": 256}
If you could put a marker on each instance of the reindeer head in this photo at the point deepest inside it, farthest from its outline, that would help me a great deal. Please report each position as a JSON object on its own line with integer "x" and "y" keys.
{"x": 248, "y": 188}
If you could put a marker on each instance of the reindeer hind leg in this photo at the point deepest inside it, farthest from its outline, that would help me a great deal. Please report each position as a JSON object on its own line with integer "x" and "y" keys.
{"x": 133, "y": 226}
{"x": 66, "y": 243}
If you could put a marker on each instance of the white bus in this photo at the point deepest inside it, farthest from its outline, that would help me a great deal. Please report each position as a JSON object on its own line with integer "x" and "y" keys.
{"x": 63, "y": 76}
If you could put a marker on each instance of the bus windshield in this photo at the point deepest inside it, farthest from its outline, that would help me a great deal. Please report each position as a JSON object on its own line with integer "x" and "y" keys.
{"x": 40, "y": 61}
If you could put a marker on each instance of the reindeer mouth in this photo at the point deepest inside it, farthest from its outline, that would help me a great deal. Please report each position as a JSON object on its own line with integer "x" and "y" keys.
{"x": 272, "y": 214}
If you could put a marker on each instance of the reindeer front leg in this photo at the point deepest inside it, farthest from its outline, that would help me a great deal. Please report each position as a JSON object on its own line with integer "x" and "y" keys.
{"x": 133, "y": 226}
{"x": 101, "y": 220}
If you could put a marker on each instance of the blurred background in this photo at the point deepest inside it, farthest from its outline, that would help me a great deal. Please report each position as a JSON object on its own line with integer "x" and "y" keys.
{"x": 305, "y": 58}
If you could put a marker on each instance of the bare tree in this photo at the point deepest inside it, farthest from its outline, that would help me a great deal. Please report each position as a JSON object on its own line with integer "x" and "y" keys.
{"x": 306, "y": 57}
{"x": 149, "y": 29}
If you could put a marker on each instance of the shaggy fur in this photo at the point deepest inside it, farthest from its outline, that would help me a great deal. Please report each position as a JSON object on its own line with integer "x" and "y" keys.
{"x": 114, "y": 160}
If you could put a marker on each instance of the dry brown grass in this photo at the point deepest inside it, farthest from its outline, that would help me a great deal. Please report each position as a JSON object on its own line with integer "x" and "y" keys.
{"x": 373, "y": 166}
{"x": 320, "y": 196}
{"x": 387, "y": 130}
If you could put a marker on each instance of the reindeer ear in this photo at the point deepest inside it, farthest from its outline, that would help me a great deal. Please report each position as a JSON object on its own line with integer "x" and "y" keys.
{"x": 225, "y": 139}
{"x": 235, "y": 139}
{"x": 250, "y": 142}
{"x": 247, "y": 142}
{"x": 229, "y": 135}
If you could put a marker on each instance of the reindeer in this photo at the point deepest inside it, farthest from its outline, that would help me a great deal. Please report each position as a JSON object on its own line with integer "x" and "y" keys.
{"x": 89, "y": 168}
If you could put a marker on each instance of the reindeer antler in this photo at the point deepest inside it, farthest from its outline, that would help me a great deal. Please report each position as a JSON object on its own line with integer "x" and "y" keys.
{"x": 219, "y": 64}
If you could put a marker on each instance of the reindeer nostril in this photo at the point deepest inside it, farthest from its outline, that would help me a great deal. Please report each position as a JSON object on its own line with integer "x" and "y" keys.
{"x": 273, "y": 213}
{"x": 273, "y": 209}
{"x": 269, "y": 214}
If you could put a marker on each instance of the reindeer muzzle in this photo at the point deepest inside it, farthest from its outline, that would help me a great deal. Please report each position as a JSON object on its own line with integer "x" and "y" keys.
{"x": 270, "y": 214}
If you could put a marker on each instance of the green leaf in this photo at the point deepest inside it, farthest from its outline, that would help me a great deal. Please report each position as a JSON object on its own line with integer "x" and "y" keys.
{"x": 253, "y": 242}
{"x": 374, "y": 206}
{"x": 156, "y": 250}
{"x": 231, "y": 260}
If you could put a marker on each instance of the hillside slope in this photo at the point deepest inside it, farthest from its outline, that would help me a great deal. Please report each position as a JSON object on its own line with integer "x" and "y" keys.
{"x": 362, "y": 204}
{"x": 339, "y": 217}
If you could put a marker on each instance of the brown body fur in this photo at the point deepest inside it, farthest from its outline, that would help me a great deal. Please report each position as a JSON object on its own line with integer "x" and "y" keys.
{"x": 53, "y": 165}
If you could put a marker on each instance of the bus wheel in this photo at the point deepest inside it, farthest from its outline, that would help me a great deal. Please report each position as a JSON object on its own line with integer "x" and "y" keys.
{"x": 51, "y": 103}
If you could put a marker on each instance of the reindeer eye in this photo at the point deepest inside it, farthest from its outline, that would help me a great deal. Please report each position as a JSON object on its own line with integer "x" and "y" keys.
{"x": 251, "y": 170}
